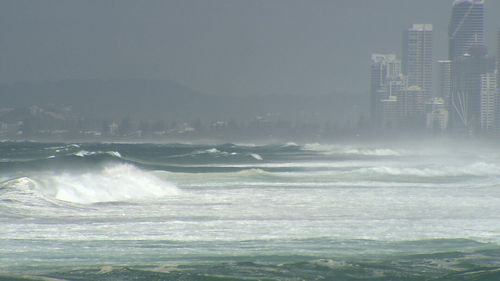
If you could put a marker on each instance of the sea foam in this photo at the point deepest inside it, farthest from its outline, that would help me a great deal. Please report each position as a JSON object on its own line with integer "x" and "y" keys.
{"x": 84, "y": 153}
{"x": 348, "y": 150}
{"x": 475, "y": 169}
{"x": 113, "y": 183}
{"x": 256, "y": 156}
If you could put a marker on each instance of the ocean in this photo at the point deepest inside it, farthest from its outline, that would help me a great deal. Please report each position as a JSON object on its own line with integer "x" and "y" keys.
{"x": 110, "y": 211}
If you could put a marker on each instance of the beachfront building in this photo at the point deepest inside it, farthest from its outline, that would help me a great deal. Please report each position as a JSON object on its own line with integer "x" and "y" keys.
{"x": 417, "y": 57}
{"x": 466, "y": 27}
{"x": 489, "y": 103}
{"x": 466, "y": 89}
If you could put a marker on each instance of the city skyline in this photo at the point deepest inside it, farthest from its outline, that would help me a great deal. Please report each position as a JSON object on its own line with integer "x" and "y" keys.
{"x": 466, "y": 100}
{"x": 410, "y": 87}
{"x": 231, "y": 48}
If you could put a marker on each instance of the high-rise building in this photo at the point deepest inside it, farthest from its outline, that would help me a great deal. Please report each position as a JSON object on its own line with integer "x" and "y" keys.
{"x": 384, "y": 67}
{"x": 415, "y": 100}
{"x": 466, "y": 26}
{"x": 436, "y": 115}
{"x": 417, "y": 57}
{"x": 497, "y": 106}
{"x": 391, "y": 112}
{"x": 498, "y": 59}
{"x": 489, "y": 102}
{"x": 466, "y": 88}
{"x": 444, "y": 78}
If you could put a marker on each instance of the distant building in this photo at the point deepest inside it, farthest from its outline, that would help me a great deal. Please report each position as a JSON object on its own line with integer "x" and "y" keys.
{"x": 466, "y": 27}
{"x": 437, "y": 115}
{"x": 417, "y": 57}
{"x": 444, "y": 79}
{"x": 467, "y": 100}
{"x": 384, "y": 67}
{"x": 489, "y": 103}
{"x": 392, "y": 112}
{"x": 403, "y": 107}
{"x": 415, "y": 102}
{"x": 113, "y": 129}
{"x": 498, "y": 58}
{"x": 395, "y": 109}
{"x": 393, "y": 68}
{"x": 466, "y": 88}
{"x": 497, "y": 106}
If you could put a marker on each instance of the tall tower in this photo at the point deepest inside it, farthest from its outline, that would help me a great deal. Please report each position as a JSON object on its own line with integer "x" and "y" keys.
{"x": 383, "y": 68}
{"x": 497, "y": 105}
{"x": 417, "y": 57}
{"x": 444, "y": 78}
{"x": 466, "y": 88}
{"x": 489, "y": 102}
{"x": 498, "y": 59}
{"x": 466, "y": 27}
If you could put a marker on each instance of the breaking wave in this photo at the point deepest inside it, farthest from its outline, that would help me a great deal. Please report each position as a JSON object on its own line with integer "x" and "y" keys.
{"x": 113, "y": 183}
{"x": 373, "y": 152}
{"x": 256, "y": 156}
{"x": 290, "y": 144}
{"x": 218, "y": 153}
{"x": 335, "y": 149}
{"x": 477, "y": 169}
{"x": 83, "y": 153}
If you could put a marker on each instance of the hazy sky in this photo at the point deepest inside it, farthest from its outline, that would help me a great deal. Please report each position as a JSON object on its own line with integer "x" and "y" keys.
{"x": 215, "y": 46}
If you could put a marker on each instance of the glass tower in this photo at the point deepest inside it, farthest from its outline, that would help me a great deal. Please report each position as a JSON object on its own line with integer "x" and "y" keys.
{"x": 466, "y": 92}
{"x": 444, "y": 72}
{"x": 417, "y": 57}
{"x": 384, "y": 67}
{"x": 466, "y": 27}
{"x": 498, "y": 60}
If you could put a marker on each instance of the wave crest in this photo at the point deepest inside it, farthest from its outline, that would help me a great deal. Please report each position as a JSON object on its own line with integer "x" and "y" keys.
{"x": 84, "y": 153}
{"x": 336, "y": 149}
{"x": 476, "y": 169}
{"x": 114, "y": 183}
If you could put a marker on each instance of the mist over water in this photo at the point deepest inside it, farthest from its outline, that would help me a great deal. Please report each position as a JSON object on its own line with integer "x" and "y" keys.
{"x": 274, "y": 212}
{"x": 393, "y": 175}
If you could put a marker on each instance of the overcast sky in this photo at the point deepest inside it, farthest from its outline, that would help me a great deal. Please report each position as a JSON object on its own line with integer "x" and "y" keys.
{"x": 230, "y": 47}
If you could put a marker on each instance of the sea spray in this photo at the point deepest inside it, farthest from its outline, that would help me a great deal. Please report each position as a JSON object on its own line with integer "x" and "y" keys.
{"x": 112, "y": 183}
{"x": 199, "y": 212}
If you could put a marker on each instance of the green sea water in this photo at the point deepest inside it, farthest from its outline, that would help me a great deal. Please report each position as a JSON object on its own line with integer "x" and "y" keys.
{"x": 110, "y": 211}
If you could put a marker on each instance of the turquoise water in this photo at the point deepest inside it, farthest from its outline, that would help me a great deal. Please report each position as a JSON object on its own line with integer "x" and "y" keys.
{"x": 246, "y": 212}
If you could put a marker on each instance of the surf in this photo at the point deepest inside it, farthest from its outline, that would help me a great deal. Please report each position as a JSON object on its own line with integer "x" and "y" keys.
{"x": 111, "y": 183}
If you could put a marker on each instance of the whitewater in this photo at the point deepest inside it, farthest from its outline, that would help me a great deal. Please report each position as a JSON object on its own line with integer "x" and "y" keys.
{"x": 105, "y": 211}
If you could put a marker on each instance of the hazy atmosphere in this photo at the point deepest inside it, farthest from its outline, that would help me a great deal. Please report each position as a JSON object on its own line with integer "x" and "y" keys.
{"x": 249, "y": 140}
{"x": 215, "y": 47}
{"x": 188, "y": 65}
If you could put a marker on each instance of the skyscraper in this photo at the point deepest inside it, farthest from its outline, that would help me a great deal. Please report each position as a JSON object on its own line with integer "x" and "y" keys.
{"x": 383, "y": 68}
{"x": 436, "y": 115}
{"x": 466, "y": 26}
{"x": 417, "y": 57}
{"x": 498, "y": 59}
{"x": 489, "y": 102}
{"x": 497, "y": 105}
{"x": 444, "y": 78}
{"x": 469, "y": 61}
{"x": 466, "y": 88}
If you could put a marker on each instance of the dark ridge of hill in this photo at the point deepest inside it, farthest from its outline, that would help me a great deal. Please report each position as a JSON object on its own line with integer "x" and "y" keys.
{"x": 167, "y": 100}
{"x": 102, "y": 98}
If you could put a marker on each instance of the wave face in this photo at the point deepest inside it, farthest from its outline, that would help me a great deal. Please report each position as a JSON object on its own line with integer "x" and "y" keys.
{"x": 112, "y": 183}
{"x": 234, "y": 212}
